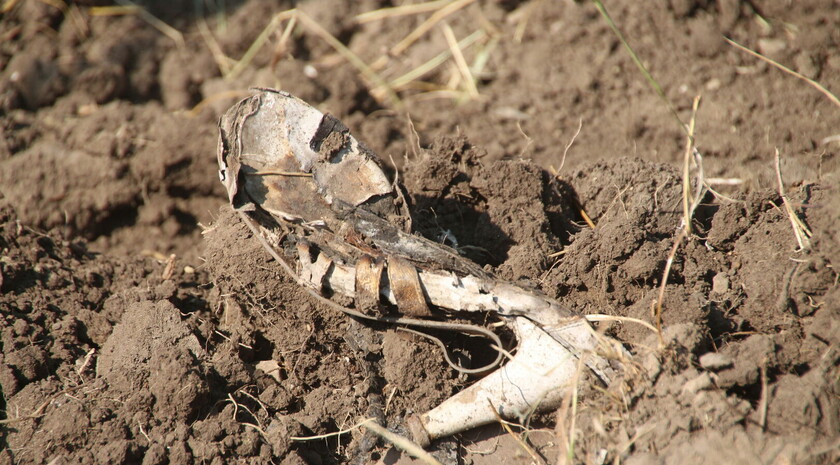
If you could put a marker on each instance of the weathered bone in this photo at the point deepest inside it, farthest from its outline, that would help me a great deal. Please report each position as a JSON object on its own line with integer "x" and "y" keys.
{"x": 327, "y": 194}
{"x": 539, "y": 375}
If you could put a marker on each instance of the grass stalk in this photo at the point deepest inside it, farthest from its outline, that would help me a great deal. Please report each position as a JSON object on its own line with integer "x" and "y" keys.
{"x": 787, "y": 70}
{"x": 653, "y": 83}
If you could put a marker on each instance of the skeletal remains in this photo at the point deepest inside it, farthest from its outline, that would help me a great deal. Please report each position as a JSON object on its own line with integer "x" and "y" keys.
{"x": 321, "y": 205}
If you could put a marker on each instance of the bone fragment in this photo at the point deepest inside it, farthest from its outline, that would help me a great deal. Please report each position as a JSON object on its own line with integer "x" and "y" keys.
{"x": 539, "y": 375}
{"x": 368, "y": 283}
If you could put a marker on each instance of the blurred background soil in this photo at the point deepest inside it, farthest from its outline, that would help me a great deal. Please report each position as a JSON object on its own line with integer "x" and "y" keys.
{"x": 142, "y": 324}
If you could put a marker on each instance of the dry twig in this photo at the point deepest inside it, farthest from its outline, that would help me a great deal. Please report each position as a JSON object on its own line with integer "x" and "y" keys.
{"x": 214, "y": 98}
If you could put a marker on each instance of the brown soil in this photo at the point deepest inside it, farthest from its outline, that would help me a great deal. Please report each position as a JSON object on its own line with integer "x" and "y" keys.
{"x": 141, "y": 323}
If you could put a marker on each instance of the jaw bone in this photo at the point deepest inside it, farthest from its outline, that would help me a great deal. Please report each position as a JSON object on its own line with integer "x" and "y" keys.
{"x": 280, "y": 158}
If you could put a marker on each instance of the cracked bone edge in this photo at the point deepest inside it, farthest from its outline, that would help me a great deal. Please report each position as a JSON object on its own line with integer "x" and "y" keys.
{"x": 276, "y": 124}
{"x": 537, "y": 377}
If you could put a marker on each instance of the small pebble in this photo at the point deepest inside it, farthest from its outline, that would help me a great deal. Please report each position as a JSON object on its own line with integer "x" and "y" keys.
{"x": 714, "y": 361}
{"x": 713, "y": 84}
{"x": 771, "y": 47}
{"x": 720, "y": 284}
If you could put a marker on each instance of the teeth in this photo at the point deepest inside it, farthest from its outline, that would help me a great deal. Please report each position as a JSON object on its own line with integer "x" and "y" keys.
{"x": 302, "y": 175}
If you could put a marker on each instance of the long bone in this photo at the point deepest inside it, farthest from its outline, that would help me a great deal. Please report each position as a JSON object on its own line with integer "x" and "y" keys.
{"x": 321, "y": 187}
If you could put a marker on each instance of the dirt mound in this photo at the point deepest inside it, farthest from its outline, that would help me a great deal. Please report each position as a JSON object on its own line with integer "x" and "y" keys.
{"x": 140, "y": 323}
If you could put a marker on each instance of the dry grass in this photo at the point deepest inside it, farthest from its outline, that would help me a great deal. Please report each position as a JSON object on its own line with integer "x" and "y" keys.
{"x": 402, "y": 443}
{"x": 690, "y": 204}
{"x": 222, "y": 61}
{"x": 297, "y": 16}
{"x": 800, "y": 230}
{"x": 423, "y": 28}
{"x": 638, "y": 62}
{"x": 410, "y": 79}
{"x": 521, "y": 17}
{"x": 156, "y": 23}
{"x": 460, "y": 61}
{"x": 8, "y": 5}
{"x": 402, "y": 10}
{"x": 622, "y": 319}
{"x": 358, "y": 425}
{"x": 567, "y": 420}
{"x": 523, "y": 444}
{"x": 462, "y": 84}
{"x": 114, "y": 10}
{"x": 833, "y": 98}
